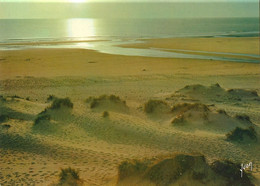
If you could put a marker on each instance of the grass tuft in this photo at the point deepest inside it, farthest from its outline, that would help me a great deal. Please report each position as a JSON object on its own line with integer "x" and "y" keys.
{"x": 230, "y": 171}
{"x": 221, "y": 111}
{"x": 129, "y": 168}
{"x": 239, "y": 134}
{"x": 169, "y": 170}
{"x": 4, "y": 118}
{"x": 51, "y": 98}
{"x": 151, "y": 105}
{"x": 2, "y": 98}
{"x": 243, "y": 117}
{"x": 69, "y": 176}
{"x": 184, "y": 107}
{"x": 178, "y": 120}
{"x": 105, "y": 114}
{"x": 95, "y": 102}
{"x": 6, "y": 126}
{"x": 61, "y": 102}
{"x": 42, "y": 118}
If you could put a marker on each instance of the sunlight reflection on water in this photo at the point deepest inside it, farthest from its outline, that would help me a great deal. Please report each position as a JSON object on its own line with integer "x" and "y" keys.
{"x": 81, "y": 28}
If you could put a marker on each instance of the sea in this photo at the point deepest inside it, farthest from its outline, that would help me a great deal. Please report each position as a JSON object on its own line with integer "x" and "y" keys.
{"x": 109, "y": 33}
{"x": 85, "y": 28}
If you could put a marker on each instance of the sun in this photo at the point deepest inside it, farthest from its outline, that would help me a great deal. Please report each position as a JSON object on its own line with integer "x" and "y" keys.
{"x": 78, "y": 1}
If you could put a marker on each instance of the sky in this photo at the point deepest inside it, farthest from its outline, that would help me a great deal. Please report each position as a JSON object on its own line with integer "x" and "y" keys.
{"x": 80, "y": 1}
{"x": 41, "y": 9}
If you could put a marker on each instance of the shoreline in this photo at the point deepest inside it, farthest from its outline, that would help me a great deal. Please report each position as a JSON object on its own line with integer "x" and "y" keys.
{"x": 243, "y": 49}
{"x": 245, "y": 45}
{"x": 49, "y": 42}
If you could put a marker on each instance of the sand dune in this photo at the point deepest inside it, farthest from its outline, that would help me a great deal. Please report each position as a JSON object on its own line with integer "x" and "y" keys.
{"x": 200, "y": 116}
{"x": 122, "y": 129}
{"x": 215, "y": 93}
{"x": 40, "y": 135}
{"x": 180, "y": 169}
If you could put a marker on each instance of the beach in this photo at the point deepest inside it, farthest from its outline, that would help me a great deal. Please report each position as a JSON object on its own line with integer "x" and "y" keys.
{"x": 243, "y": 45}
{"x": 95, "y": 144}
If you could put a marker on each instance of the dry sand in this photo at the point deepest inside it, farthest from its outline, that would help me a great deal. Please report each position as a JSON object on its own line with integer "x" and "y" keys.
{"x": 95, "y": 145}
{"x": 243, "y": 45}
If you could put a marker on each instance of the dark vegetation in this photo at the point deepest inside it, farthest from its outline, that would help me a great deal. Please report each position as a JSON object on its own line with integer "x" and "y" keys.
{"x": 69, "y": 176}
{"x": 165, "y": 171}
{"x": 215, "y": 93}
{"x": 178, "y": 120}
{"x": 51, "y": 98}
{"x": 131, "y": 168}
{"x": 193, "y": 87}
{"x": 184, "y": 107}
{"x": 22, "y": 143}
{"x": 2, "y": 98}
{"x": 61, "y": 103}
{"x": 95, "y": 102}
{"x": 6, "y": 126}
{"x": 7, "y": 113}
{"x": 4, "y": 118}
{"x": 221, "y": 111}
{"x": 230, "y": 171}
{"x": 41, "y": 118}
{"x": 58, "y": 103}
{"x": 15, "y": 96}
{"x": 242, "y": 91}
{"x": 43, "y": 122}
{"x": 198, "y": 89}
{"x": 239, "y": 134}
{"x": 151, "y": 105}
{"x": 243, "y": 117}
{"x": 168, "y": 171}
{"x": 105, "y": 114}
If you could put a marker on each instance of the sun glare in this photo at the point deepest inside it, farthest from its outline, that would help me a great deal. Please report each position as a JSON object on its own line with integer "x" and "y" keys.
{"x": 81, "y": 28}
{"x": 77, "y": 1}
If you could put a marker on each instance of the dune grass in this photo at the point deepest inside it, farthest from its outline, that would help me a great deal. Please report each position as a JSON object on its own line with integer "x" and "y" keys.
{"x": 239, "y": 134}
{"x": 184, "y": 107}
{"x": 46, "y": 121}
{"x": 230, "y": 171}
{"x": 222, "y": 111}
{"x": 61, "y": 102}
{"x": 6, "y": 126}
{"x": 194, "y": 168}
{"x": 130, "y": 168}
{"x": 2, "y": 98}
{"x": 69, "y": 176}
{"x": 94, "y": 102}
{"x": 4, "y": 118}
{"x": 244, "y": 92}
{"x": 51, "y": 98}
{"x": 179, "y": 120}
{"x": 169, "y": 170}
{"x": 105, "y": 114}
{"x": 43, "y": 124}
{"x": 151, "y": 105}
{"x": 243, "y": 117}
{"x": 41, "y": 118}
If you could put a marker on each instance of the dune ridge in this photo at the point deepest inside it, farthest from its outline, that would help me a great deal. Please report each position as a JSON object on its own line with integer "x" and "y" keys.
{"x": 208, "y": 100}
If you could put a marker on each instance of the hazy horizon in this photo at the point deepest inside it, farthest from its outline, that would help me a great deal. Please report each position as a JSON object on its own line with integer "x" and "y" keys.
{"x": 54, "y": 10}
